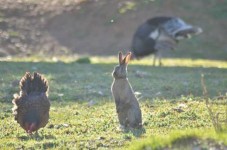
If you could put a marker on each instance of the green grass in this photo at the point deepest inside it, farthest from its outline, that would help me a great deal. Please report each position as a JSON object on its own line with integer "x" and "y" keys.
{"x": 83, "y": 113}
{"x": 183, "y": 139}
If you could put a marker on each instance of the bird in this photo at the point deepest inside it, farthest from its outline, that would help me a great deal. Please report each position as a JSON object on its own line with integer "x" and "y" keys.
{"x": 160, "y": 34}
{"x": 31, "y": 107}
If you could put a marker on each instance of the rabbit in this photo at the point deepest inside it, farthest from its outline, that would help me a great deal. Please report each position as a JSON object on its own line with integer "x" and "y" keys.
{"x": 127, "y": 106}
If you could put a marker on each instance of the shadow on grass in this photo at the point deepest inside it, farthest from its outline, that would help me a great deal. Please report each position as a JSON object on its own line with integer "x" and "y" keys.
{"x": 76, "y": 81}
{"x": 45, "y": 141}
{"x": 135, "y": 132}
{"x": 36, "y": 136}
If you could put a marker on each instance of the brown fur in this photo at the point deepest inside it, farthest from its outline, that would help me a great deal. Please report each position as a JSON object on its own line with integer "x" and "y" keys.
{"x": 32, "y": 103}
{"x": 127, "y": 106}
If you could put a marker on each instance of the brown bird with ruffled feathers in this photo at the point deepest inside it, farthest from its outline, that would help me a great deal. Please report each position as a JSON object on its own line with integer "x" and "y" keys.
{"x": 31, "y": 107}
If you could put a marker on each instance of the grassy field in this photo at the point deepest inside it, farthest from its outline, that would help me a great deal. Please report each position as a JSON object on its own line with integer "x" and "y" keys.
{"x": 83, "y": 116}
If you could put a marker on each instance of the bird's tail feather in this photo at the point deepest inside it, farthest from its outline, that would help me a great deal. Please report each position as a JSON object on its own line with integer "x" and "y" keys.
{"x": 35, "y": 83}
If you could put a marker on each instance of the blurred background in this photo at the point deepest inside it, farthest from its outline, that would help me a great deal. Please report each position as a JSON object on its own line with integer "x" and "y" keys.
{"x": 103, "y": 27}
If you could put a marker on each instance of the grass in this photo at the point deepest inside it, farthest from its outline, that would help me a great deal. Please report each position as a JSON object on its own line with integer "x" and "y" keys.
{"x": 83, "y": 116}
{"x": 184, "y": 139}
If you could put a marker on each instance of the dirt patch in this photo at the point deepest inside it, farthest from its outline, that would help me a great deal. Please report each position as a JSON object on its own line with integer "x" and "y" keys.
{"x": 91, "y": 31}
{"x": 97, "y": 27}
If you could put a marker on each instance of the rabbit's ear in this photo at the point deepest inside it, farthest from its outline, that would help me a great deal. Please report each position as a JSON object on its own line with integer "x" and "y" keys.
{"x": 127, "y": 58}
{"x": 120, "y": 58}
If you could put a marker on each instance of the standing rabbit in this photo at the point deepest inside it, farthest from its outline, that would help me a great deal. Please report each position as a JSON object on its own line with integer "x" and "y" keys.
{"x": 127, "y": 106}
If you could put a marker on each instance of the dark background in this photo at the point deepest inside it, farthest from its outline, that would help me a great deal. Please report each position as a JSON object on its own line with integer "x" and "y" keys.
{"x": 103, "y": 27}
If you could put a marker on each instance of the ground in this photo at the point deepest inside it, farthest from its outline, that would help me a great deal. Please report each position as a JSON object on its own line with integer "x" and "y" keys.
{"x": 83, "y": 113}
{"x": 95, "y": 27}
{"x": 74, "y": 43}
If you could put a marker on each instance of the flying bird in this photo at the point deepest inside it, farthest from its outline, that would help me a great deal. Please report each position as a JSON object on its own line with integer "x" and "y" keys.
{"x": 31, "y": 107}
{"x": 159, "y": 34}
